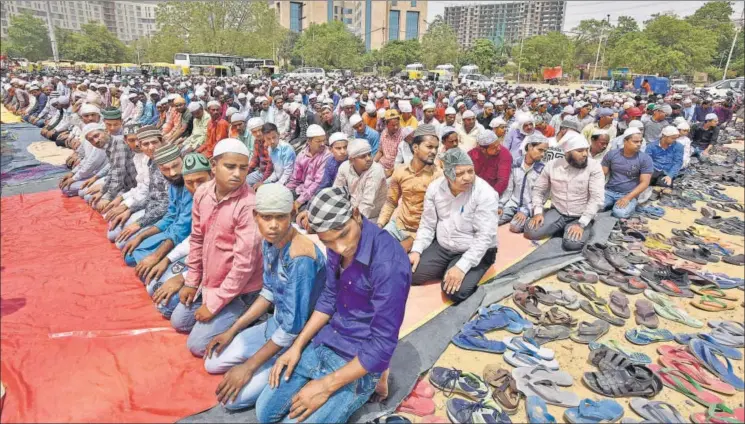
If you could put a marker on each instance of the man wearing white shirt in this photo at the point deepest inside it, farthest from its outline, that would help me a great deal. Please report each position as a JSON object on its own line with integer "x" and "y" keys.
{"x": 457, "y": 239}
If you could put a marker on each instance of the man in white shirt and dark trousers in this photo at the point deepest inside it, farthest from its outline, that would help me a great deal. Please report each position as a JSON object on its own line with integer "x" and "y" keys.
{"x": 457, "y": 236}
{"x": 576, "y": 186}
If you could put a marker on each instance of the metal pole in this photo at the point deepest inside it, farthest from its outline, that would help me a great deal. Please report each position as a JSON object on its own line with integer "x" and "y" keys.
{"x": 732, "y": 48}
{"x": 597, "y": 56}
{"x": 52, "y": 38}
{"x": 519, "y": 61}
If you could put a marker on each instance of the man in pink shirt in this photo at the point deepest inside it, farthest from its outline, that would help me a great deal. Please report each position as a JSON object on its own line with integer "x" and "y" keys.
{"x": 310, "y": 165}
{"x": 224, "y": 273}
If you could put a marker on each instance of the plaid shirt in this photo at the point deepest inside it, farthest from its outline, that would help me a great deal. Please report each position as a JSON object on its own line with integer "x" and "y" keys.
{"x": 156, "y": 204}
{"x": 261, "y": 160}
{"x": 122, "y": 171}
{"x": 389, "y": 147}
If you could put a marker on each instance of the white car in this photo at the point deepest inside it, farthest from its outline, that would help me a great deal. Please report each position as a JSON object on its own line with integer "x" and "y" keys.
{"x": 477, "y": 80}
{"x": 334, "y": 73}
{"x": 721, "y": 88}
{"x": 307, "y": 73}
{"x": 499, "y": 79}
{"x": 596, "y": 85}
{"x": 679, "y": 85}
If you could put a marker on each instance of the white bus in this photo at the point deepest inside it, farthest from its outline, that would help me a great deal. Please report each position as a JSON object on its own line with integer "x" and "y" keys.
{"x": 205, "y": 59}
{"x": 467, "y": 70}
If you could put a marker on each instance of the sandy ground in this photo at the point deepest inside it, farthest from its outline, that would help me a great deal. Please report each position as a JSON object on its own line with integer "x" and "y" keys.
{"x": 573, "y": 356}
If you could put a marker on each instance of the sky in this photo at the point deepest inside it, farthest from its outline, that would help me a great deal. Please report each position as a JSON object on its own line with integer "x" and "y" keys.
{"x": 593, "y": 9}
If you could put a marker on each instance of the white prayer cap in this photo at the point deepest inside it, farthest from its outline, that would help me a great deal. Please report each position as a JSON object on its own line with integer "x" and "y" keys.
{"x": 488, "y": 104}
{"x": 152, "y": 91}
{"x": 524, "y": 118}
{"x": 194, "y": 106}
{"x": 631, "y": 131}
{"x": 171, "y": 96}
{"x": 499, "y": 102}
{"x": 381, "y": 113}
{"x": 238, "y": 117}
{"x": 261, "y": 99}
{"x": 480, "y": 97}
{"x": 627, "y": 105}
{"x": 254, "y": 123}
{"x": 213, "y": 103}
{"x": 450, "y": 111}
{"x": 428, "y": 106}
{"x": 230, "y": 145}
{"x": 678, "y": 121}
{"x": 63, "y": 100}
{"x": 370, "y": 108}
{"x": 568, "y": 109}
{"x": 497, "y": 122}
{"x": 355, "y": 119}
{"x": 670, "y": 131}
{"x": 132, "y": 95}
{"x": 349, "y": 101}
{"x": 241, "y": 96}
{"x": 687, "y": 101}
{"x": 711, "y": 116}
{"x": 230, "y": 111}
{"x": 636, "y": 124}
{"x": 683, "y": 126}
{"x": 337, "y": 136}
{"x": 315, "y": 131}
{"x": 162, "y": 102}
{"x": 405, "y": 107}
{"x": 274, "y": 198}
{"x": 468, "y": 114}
{"x": 574, "y": 141}
{"x": 486, "y": 138}
{"x": 358, "y": 147}
{"x": 93, "y": 126}
{"x": 292, "y": 107}
{"x": 89, "y": 108}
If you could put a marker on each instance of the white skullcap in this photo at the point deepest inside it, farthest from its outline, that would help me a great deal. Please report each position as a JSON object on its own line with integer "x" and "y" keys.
{"x": 450, "y": 111}
{"x": 93, "y": 126}
{"x": 89, "y": 108}
{"x": 194, "y": 106}
{"x": 486, "y": 138}
{"x": 213, "y": 103}
{"x": 230, "y": 111}
{"x": 711, "y": 116}
{"x": 627, "y": 105}
{"x": 497, "y": 122}
{"x": 355, "y": 119}
{"x": 274, "y": 198}
{"x": 381, "y": 113}
{"x": 254, "y": 123}
{"x": 568, "y": 109}
{"x": 687, "y": 101}
{"x": 349, "y": 101}
{"x": 636, "y": 124}
{"x": 241, "y": 96}
{"x": 132, "y": 95}
{"x": 292, "y": 107}
{"x": 231, "y": 145}
{"x": 524, "y": 118}
{"x": 405, "y": 107}
{"x": 337, "y": 136}
{"x": 574, "y": 141}
{"x": 358, "y": 147}
{"x": 468, "y": 114}
{"x": 370, "y": 108}
{"x": 63, "y": 100}
{"x": 677, "y": 121}
{"x": 670, "y": 131}
{"x": 162, "y": 102}
{"x": 171, "y": 96}
{"x": 315, "y": 131}
{"x": 428, "y": 106}
{"x": 683, "y": 126}
{"x": 152, "y": 91}
{"x": 238, "y": 117}
{"x": 631, "y": 131}
{"x": 480, "y": 97}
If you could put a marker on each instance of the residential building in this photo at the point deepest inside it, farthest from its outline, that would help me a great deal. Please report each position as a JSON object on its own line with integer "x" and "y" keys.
{"x": 504, "y": 22}
{"x": 128, "y": 20}
{"x": 375, "y": 22}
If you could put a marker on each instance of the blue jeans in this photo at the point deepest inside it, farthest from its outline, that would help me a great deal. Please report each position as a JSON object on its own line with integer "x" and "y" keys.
{"x": 166, "y": 308}
{"x": 113, "y": 234}
{"x": 610, "y": 202}
{"x": 200, "y": 333}
{"x": 316, "y": 362}
{"x": 244, "y": 346}
{"x": 698, "y": 153}
{"x": 255, "y": 177}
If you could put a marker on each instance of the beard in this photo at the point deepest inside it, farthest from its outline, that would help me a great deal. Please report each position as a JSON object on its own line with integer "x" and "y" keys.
{"x": 176, "y": 181}
{"x": 575, "y": 163}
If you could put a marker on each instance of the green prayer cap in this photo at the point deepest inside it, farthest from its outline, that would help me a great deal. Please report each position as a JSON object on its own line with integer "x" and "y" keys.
{"x": 111, "y": 113}
{"x": 650, "y": 106}
{"x": 416, "y": 100}
{"x": 165, "y": 154}
{"x": 195, "y": 162}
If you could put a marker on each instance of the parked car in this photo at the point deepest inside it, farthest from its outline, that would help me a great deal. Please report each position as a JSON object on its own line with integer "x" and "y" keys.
{"x": 477, "y": 80}
{"x": 334, "y": 73}
{"x": 596, "y": 85}
{"x": 679, "y": 85}
{"x": 499, "y": 79}
{"x": 307, "y": 73}
{"x": 722, "y": 88}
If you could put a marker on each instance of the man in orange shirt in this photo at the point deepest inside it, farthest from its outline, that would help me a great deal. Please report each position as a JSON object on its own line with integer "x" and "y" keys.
{"x": 543, "y": 126}
{"x": 217, "y": 129}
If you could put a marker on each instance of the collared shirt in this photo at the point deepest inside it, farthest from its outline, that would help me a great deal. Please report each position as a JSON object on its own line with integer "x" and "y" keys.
{"x": 589, "y": 129}
{"x": 260, "y": 160}
{"x": 198, "y": 131}
{"x": 282, "y": 121}
{"x": 366, "y": 300}
{"x": 93, "y": 161}
{"x": 409, "y": 187}
{"x": 372, "y": 137}
{"x": 520, "y": 186}
{"x": 462, "y": 224}
{"x": 411, "y": 122}
{"x": 224, "y": 256}
{"x": 668, "y": 160}
{"x": 156, "y": 204}
{"x": 283, "y": 163}
{"x": 703, "y": 138}
{"x": 513, "y": 141}
{"x": 368, "y": 189}
{"x": 136, "y": 195}
{"x": 574, "y": 192}
{"x": 329, "y": 172}
{"x": 495, "y": 170}
{"x": 122, "y": 171}
{"x": 389, "y": 147}
{"x": 308, "y": 173}
{"x": 292, "y": 285}
{"x": 180, "y": 251}
{"x": 468, "y": 139}
{"x": 216, "y": 131}
{"x": 176, "y": 223}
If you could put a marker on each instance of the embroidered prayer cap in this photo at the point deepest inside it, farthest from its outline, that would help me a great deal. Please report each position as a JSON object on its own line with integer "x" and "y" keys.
{"x": 425, "y": 129}
{"x": 358, "y": 147}
{"x": 336, "y": 137}
{"x": 238, "y": 117}
{"x": 486, "y": 138}
{"x": 89, "y": 108}
{"x": 148, "y": 132}
{"x": 111, "y": 113}
{"x": 274, "y": 198}
{"x": 165, "y": 154}
{"x": 453, "y": 158}
{"x": 195, "y": 162}
{"x": 255, "y": 122}
{"x": 330, "y": 209}
{"x": 214, "y": 103}
{"x": 130, "y": 129}
{"x": 231, "y": 145}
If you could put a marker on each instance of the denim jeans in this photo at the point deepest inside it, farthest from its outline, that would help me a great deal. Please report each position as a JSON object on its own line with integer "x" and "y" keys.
{"x": 508, "y": 215}
{"x": 200, "y": 333}
{"x": 166, "y": 308}
{"x": 610, "y": 202}
{"x": 397, "y": 233}
{"x": 255, "y": 177}
{"x": 316, "y": 362}
{"x": 244, "y": 346}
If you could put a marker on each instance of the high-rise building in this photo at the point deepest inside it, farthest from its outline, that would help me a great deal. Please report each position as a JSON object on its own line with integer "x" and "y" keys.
{"x": 128, "y": 20}
{"x": 375, "y": 22}
{"x": 504, "y": 22}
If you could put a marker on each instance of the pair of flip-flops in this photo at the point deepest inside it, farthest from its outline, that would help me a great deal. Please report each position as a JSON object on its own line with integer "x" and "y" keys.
{"x": 636, "y": 357}
{"x": 716, "y": 361}
{"x": 594, "y": 412}
{"x": 546, "y": 384}
{"x": 728, "y": 333}
{"x": 680, "y": 358}
{"x": 588, "y": 332}
{"x": 645, "y": 336}
{"x": 656, "y": 411}
{"x": 667, "y": 309}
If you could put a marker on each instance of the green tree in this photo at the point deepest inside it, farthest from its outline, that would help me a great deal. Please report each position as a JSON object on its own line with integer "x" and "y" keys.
{"x": 636, "y": 51}
{"x": 715, "y": 17}
{"x": 439, "y": 45}
{"x": 626, "y": 25}
{"x": 28, "y": 37}
{"x": 484, "y": 54}
{"x": 541, "y": 51}
{"x": 329, "y": 45}
{"x": 397, "y": 54}
{"x": 685, "y": 48}
{"x": 95, "y": 43}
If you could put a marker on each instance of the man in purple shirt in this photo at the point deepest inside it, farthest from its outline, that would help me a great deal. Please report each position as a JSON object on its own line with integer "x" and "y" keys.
{"x": 354, "y": 328}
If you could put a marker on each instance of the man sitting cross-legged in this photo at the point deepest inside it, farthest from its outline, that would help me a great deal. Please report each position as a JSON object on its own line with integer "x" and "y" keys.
{"x": 515, "y": 205}
{"x": 457, "y": 236}
{"x": 629, "y": 172}
{"x": 336, "y": 361}
{"x": 294, "y": 275}
{"x": 224, "y": 260}
{"x": 149, "y": 246}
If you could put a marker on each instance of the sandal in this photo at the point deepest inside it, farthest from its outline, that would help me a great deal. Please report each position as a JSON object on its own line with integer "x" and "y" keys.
{"x": 543, "y": 334}
{"x": 504, "y": 388}
{"x": 714, "y": 415}
{"x": 645, "y": 315}
{"x": 680, "y": 382}
{"x": 577, "y": 276}
{"x": 633, "y": 285}
{"x": 711, "y": 304}
{"x": 588, "y": 332}
{"x": 527, "y": 303}
{"x": 601, "y": 311}
{"x": 619, "y": 305}
{"x": 656, "y": 411}
{"x": 712, "y": 291}
{"x": 676, "y": 314}
{"x": 589, "y": 292}
{"x": 539, "y": 292}
{"x": 699, "y": 255}
{"x": 636, "y": 357}
{"x": 633, "y": 381}
{"x": 590, "y": 411}
{"x": 644, "y": 336}
{"x": 555, "y": 316}
{"x": 681, "y": 359}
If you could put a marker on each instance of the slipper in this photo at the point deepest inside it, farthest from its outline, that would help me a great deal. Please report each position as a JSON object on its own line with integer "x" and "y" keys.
{"x": 576, "y": 276}
{"x": 727, "y": 351}
{"x": 543, "y": 334}
{"x": 680, "y": 382}
{"x": 540, "y": 372}
{"x": 632, "y": 381}
{"x": 515, "y": 322}
{"x": 633, "y": 285}
{"x": 659, "y": 298}
{"x": 619, "y": 305}
{"x": 589, "y": 292}
{"x": 556, "y": 316}
{"x": 601, "y": 311}
{"x": 708, "y": 357}
{"x": 713, "y": 416}
{"x": 644, "y": 336}
{"x": 537, "y": 411}
{"x": 471, "y": 339}
{"x": 733, "y": 328}
{"x": 710, "y": 304}
{"x": 637, "y": 357}
{"x": 591, "y": 412}
{"x": 504, "y": 387}
{"x": 590, "y": 331}
{"x": 645, "y": 315}
{"x": 699, "y": 255}
{"x": 681, "y": 359}
{"x": 539, "y": 292}
{"x": 527, "y": 303}
{"x": 656, "y": 411}
{"x": 670, "y": 288}
{"x": 676, "y": 314}
{"x": 713, "y": 291}
{"x": 517, "y": 344}
{"x": 526, "y": 358}
{"x": 548, "y": 391}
